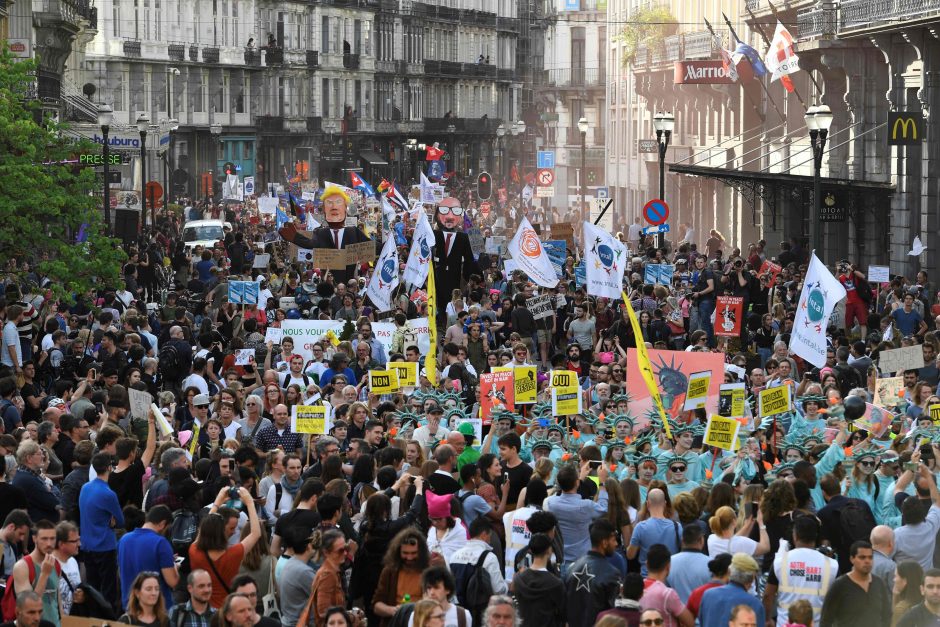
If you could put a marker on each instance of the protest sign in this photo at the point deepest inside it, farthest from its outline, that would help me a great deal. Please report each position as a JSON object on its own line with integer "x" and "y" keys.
{"x": 273, "y": 335}
{"x": 563, "y": 231}
{"x": 773, "y": 401}
{"x": 497, "y": 393}
{"x": 416, "y": 333}
{"x": 697, "y": 391}
{"x": 729, "y": 315}
{"x": 935, "y": 413}
{"x": 309, "y": 419}
{"x": 477, "y": 243}
{"x": 261, "y": 260}
{"x": 306, "y": 333}
{"x": 731, "y": 400}
{"x": 407, "y": 373}
{"x": 328, "y": 258}
{"x": 140, "y": 402}
{"x": 566, "y": 393}
{"x": 244, "y": 356}
{"x": 243, "y": 292}
{"x": 525, "y": 383}
{"x": 541, "y": 306}
{"x": 879, "y": 274}
{"x": 383, "y": 381}
{"x": 900, "y": 359}
{"x": 888, "y": 391}
{"x": 722, "y": 432}
{"x": 557, "y": 251}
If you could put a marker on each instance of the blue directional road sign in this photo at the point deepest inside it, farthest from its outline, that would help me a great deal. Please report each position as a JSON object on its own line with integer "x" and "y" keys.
{"x": 546, "y": 159}
{"x": 653, "y": 230}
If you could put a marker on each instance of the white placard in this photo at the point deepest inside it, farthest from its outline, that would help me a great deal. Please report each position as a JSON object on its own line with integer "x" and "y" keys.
{"x": 267, "y": 204}
{"x": 879, "y": 274}
{"x": 274, "y": 335}
{"x": 261, "y": 261}
{"x": 140, "y": 402}
{"x": 244, "y": 356}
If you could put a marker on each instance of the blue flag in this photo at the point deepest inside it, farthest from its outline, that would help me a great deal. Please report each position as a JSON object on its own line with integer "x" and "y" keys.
{"x": 435, "y": 170}
{"x": 744, "y": 50}
{"x": 280, "y": 218}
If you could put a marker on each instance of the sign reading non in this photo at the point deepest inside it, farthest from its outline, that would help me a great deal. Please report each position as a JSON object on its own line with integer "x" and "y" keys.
{"x": 906, "y": 128}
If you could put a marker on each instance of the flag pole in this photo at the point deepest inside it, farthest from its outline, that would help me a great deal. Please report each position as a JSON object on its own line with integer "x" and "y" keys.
{"x": 763, "y": 86}
{"x": 773, "y": 10}
{"x": 760, "y": 29}
{"x": 754, "y": 104}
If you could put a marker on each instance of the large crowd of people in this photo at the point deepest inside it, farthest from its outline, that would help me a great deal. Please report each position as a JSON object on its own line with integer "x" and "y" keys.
{"x": 155, "y": 473}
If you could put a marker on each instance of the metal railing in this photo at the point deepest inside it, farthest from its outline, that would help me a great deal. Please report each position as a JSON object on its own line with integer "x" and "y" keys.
{"x": 210, "y": 55}
{"x": 350, "y": 61}
{"x": 253, "y": 57}
{"x": 176, "y": 52}
{"x": 817, "y": 22}
{"x": 863, "y": 14}
{"x": 131, "y": 48}
{"x": 576, "y": 77}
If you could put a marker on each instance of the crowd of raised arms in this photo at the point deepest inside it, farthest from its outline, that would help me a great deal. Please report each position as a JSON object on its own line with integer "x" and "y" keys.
{"x": 157, "y": 471}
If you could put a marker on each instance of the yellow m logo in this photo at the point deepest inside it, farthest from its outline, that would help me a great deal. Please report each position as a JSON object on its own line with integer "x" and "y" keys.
{"x": 904, "y": 124}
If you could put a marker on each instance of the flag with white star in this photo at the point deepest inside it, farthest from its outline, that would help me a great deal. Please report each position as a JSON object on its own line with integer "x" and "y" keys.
{"x": 821, "y": 292}
{"x": 605, "y": 259}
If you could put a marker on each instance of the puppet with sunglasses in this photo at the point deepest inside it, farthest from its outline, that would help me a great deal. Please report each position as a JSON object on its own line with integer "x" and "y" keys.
{"x": 453, "y": 256}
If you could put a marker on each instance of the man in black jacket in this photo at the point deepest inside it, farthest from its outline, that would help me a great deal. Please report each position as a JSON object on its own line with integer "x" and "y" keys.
{"x": 453, "y": 257}
{"x": 593, "y": 585}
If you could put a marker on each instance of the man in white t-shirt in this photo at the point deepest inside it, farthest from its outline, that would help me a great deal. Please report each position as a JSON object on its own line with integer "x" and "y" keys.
{"x": 439, "y": 585}
{"x": 67, "y": 543}
{"x": 799, "y": 573}
{"x": 434, "y": 431}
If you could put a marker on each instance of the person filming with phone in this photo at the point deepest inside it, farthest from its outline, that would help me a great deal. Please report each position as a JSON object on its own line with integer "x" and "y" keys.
{"x": 574, "y": 513}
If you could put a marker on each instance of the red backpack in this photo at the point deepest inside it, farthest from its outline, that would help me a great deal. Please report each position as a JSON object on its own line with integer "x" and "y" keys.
{"x": 8, "y": 604}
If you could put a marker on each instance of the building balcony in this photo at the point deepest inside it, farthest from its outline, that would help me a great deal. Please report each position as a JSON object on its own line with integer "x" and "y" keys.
{"x": 252, "y": 57}
{"x": 313, "y": 58}
{"x": 350, "y": 61}
{"x": 864, "y": 15}
{"x": 132, "y": 48}
{"x": 270, "y": 123}
{"x": 762, "y": 8}
{"x": 506, "y": 75}
{"x": 194, "y": 53}
{"x": 210, "y": 55}
{"x": 176, "y": 52}
{"x": 274, "y": 56}
{"x": 508, "y": 24}
{"x": 461, "y": 125}
{"x": 694, "y": 45}
{"x": 817, "y": 23}
{"x": 315, "y": 125}
{"x": 576, "y": 77}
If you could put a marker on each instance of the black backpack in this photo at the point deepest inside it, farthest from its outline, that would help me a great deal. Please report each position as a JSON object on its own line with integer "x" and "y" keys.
{"x": 183, "y": 529}
{"x": 171, "y": 362}
{"x": 474, "y": 587}
{"x": 856, "y": 521}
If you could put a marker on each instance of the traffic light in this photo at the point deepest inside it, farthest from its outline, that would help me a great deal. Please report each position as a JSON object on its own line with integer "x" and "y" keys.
{"x": 484, "y": 186}
{"x": 229, "y": 168}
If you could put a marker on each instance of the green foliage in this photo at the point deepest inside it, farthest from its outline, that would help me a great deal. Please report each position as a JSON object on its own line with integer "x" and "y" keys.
{"x": 43, "y": 203}
{"x": 648, "y": 25}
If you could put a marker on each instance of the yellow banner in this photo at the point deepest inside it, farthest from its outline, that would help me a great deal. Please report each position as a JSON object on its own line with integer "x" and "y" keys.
{"x": 773, "y": 401}
{"x": 646, "y": 369}
{"x": 566, "y": 393}
{"x": 935, "y": 413}
{"x": 309, "y": 419}
{"x": 430, "y": 360}
{"x": 383, "y": 381}
{"x": 194, "y": 441}
{"x": 722, "y": 432}
{"x": 525, "y": 383}
{"x": 407, "y": 373}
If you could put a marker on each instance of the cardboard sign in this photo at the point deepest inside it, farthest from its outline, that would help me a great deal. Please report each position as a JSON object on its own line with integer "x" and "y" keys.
{"x": 497, "y": 393}
{"x": 244, "y": 356}
{"x": 772, "y": 269}
{"x": 731, "y": 398}
{"x": 566, "y": 393}
{"x": 477, "y": 243}
{"x": 261, "y": 261}
{"x": 140, "y": 403}
{"x": 495, "y": 245}
{"x": 875, "y": 420}
{"x": 697, "y": 391}
{"x": 888, "y": 391}
{"x": 309, "y": 419}
{"x": 525, "y": 383}
{"x": 564, "y": 231}
{"x": 722, "y": 432}
{"x": 383, "y": 381}
{"x": 329, "y": 258}
{"x": 773, "y": 401}
{"x": 879, "y": 274}
{"x": 363, "y": 252}
{"x": 901, "y": 359}
{"x": 935, "y": 413}
{"x": 541, "y": 306}
{"x": 729, "y": 315}
{"x": 243, "y": 292}
{"x": 407, "y": 372}
{"x": 273, "y": 334}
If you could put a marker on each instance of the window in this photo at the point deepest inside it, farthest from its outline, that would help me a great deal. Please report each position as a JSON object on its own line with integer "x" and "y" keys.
{"x": 118, "y": 103}
{"x": 248, "y": 149}
{"x": 325, "y": 34}
{"x": 220, "y": 96}
{"x": 325, "y": 111}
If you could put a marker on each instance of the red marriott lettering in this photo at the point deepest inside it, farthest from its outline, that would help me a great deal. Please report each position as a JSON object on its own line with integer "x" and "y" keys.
{"x": 710, "y": 72}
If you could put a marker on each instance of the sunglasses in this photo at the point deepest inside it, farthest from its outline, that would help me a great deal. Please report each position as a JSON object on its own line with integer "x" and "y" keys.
{"x": 866, "y": 464}
{"x": 652, "y": 621}
{"x": 677, "y": 468}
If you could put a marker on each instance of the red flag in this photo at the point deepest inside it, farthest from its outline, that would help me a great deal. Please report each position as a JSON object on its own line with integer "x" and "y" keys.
{"x": 787, "y": 83}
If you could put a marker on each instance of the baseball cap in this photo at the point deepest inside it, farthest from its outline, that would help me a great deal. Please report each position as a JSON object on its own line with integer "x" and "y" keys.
{"x": 466, "y": 428}
{"x": 201, "y": 400}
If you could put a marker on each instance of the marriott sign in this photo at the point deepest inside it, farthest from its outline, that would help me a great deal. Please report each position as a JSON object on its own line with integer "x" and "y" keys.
{"x": 700, "y": 72}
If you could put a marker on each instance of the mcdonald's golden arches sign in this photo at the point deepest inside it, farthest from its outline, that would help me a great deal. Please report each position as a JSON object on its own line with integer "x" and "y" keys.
{"x": 906, "y": 128}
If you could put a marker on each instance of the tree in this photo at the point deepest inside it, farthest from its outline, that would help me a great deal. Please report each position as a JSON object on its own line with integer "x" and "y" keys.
{"x": 648, "y": 26}
{"x": 46, "y": 204}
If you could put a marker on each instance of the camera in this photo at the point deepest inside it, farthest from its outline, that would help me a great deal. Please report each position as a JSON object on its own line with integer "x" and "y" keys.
{"x": 738, "y": 264}
{"x": 843, "y": 267}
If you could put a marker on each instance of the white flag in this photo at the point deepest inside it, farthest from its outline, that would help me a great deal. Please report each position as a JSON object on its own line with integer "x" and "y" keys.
{"x": 527, "y": 251}
{"x": 427, "y": 190}
{"x": 781, "y": 58}
{"x": 605, "y": 259}
{"x": 422, "y": 243}
{"x": 384, "y": 277}
{"x": 821, "y": 292}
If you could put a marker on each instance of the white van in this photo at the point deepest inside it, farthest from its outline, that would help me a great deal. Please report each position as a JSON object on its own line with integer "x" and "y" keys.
{"x": 204, "y": 233}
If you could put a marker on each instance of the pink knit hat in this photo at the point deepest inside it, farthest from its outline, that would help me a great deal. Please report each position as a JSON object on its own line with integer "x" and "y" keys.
{"x": 438, "y": 504}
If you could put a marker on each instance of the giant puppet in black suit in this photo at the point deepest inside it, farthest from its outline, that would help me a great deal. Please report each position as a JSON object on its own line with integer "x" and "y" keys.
{"x": 453, "y": 257}
{"x": 335, "y": 235}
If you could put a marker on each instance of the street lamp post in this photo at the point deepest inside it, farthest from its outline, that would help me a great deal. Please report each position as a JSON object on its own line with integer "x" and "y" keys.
{"x": 172, "y": 125}
{"x": 582, "y": 128}
{"x": 143, "y": 123}
{"x": 664, "y": 123}
{"x": 104, "y": 121}
{"x": 818, "y": 120}
{"x": 216, "y": 130}
{"x": 500, "y": 134}
{"x": 514, "y": 131}
{"x": 452, "y": 130}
